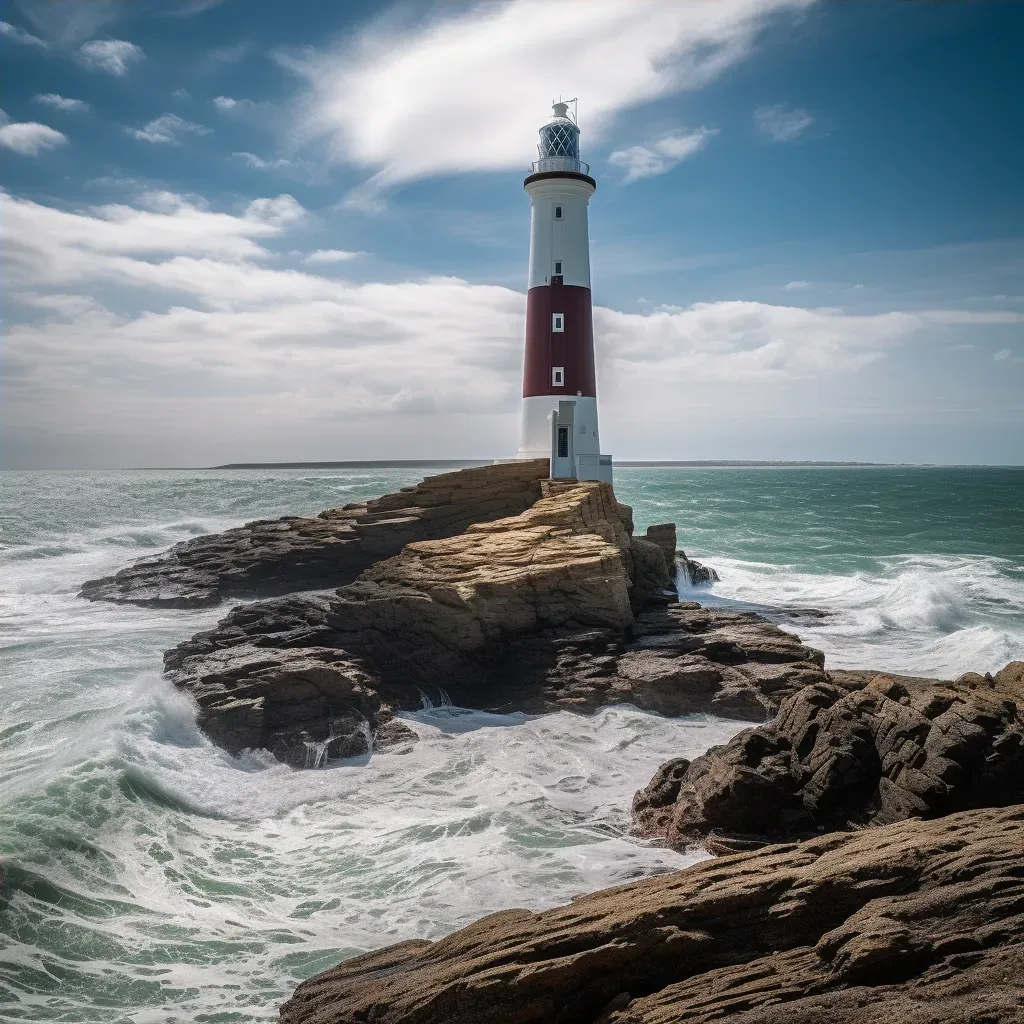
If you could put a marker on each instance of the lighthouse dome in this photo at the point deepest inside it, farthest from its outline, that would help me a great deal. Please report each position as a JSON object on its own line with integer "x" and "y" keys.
{"x": 559, "y": 146}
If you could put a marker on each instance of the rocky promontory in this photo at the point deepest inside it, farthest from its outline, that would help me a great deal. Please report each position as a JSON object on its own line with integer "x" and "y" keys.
{"x": 559, "y": 607}
{"x": 281, "y": 556}
{"x": 861, "y": 749}
{"x": 918, "y": 922}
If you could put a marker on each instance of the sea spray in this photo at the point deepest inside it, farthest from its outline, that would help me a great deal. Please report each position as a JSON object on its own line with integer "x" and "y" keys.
{"x": 151, "y": 877}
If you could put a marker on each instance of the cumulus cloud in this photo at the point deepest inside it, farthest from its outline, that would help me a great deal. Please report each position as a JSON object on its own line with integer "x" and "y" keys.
{"x": 782, "y": 123}
{"x": 114, "y": 56}
{"x": 29, "y": 138}
{"x": 661, "y": 156}
{"x": 398, "y": 101}
{"x": 220, "y": 347}
{"x": 749, "y": 340}
{"x": 20, "y": 36}
{"x": 53, "y": 246}
{"x": 332, "y": 256}
{"x": 167, "y": 128}
{"x": 52, "y": 99}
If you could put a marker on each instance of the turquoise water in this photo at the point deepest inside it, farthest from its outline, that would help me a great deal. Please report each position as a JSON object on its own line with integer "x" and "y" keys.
{"x": 152, "y": 878}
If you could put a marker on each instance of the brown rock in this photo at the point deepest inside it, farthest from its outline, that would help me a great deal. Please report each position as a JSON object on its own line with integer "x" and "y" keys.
{"x": 859, "y": 750}
{"x": 282, "y": 556}
{"x": 532, "y": 613}
{"x": 914, "y": 922}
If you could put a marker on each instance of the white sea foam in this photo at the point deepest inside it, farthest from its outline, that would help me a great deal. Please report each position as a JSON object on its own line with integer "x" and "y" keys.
{"x": 152, "y": 878}
{"x": 938, "y": 615}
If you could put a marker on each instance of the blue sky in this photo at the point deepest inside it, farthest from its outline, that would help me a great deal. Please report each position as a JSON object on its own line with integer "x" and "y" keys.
{"x": 242, "y": 231}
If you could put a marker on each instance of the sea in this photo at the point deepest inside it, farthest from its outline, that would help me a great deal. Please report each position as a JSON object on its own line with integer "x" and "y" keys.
{"x": 150, "y": 878}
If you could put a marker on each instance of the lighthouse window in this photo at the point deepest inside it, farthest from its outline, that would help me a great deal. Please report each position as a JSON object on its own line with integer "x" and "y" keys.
{"x": 558, "y": 213}
{"x": 558, "y": 266}
{"x": 558, "y": 322}
{"x": 558, "y": 376}
{"x": 563, "y": 442}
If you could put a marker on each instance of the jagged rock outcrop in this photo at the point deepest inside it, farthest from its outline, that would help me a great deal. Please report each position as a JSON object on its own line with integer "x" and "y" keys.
{"x": 918, "y": 922}
{"x": 696, "y": 572}
{"x": 531, "y": 613}
{"x": 281, "y": 556}
{"x": 861, "y": 749}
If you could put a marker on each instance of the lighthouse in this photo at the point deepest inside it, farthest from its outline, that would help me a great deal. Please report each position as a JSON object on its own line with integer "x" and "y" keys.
{"x": 559, "y": 416}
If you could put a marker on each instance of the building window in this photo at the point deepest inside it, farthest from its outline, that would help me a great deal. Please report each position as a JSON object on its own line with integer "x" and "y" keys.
{"x": 558, "y": 322}
{"x": 558, "y": 266}
{"x": 558, "y": 213}
{"x": 558, "y": 376}
{"x": 563, "y": 442}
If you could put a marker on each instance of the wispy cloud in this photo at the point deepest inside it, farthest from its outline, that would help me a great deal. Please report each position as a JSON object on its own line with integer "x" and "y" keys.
{"x": 167, "y": 128}
{"x": 782, "y": 123}
{"x": 52, "y": 99}
{"x": 258, "y": 113}
{"x": 114, "y": 56}
{"x": 795, "y": 286}
{"x": 661, "y": 156}
{"x": 396, "y": 101}
{"x": 332, "y": 256}
{"x": 189, "y": 7}
{"x": 181, "y": 94}
{"x": 263, "y": 165}
{"x": 28, "y": 138}
{"x": 20, "y": 36}
{"x": 1007, "y": 355}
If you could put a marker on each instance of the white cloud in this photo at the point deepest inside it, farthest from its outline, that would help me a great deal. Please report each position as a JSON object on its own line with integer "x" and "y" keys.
{"x": 181, "y": 94}
{"x": 781, "y": 123}
{"x": 167, "y": 128}
{"x": 736, "y": 340}
{"x": 29, "y": 138}
{"x": 263, "y": 165}
{"x": 794, "y": 286}
{"x": 661, "y": 156}
{"x": 19, "y": 35}
{"x": 52, "y": 99}
{"x": 1003, "y": 355}
{"x": 111, "y": 55}
{"x": 332, "y": 256}
{"x": 403, "y": 103}
{"x": 223, "y": 354}
{"x": 50, "y": 246}
{"x": 259, "y": 112}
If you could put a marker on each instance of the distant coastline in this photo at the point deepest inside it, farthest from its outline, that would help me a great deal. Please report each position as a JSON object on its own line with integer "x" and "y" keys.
{"x": 626, "y": 464}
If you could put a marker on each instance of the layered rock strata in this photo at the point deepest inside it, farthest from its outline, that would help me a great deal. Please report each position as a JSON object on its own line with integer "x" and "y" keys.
{"x": 918, "y": 922}
{"x": 545, "y": 610}
{"x": 861, "y": 749}
{"x": 281, "y": 556}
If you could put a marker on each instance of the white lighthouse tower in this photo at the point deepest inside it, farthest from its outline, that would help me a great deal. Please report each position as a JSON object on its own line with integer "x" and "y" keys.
{"x": 559, "y": 416}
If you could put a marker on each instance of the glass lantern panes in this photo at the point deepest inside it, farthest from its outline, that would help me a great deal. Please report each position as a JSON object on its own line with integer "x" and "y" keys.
{"x": 559, "y": 138}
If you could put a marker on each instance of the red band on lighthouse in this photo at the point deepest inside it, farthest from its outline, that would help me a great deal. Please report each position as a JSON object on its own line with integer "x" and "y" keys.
{"x": 571, "y": 348}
